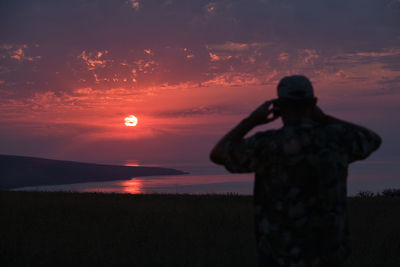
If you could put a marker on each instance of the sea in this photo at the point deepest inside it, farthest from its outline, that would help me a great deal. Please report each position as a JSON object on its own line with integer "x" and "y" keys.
{"x": 373, "y": 176}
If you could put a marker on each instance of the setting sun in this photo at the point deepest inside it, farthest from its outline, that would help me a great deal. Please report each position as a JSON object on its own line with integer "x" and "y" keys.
{"x": 131, "y": 120}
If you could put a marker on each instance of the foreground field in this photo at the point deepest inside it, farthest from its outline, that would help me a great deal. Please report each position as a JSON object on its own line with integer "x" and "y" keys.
{"x": 73, "y": 229}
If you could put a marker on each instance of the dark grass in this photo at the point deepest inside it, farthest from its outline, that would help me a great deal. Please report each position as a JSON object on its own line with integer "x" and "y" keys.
{"x": 91, "y": 229}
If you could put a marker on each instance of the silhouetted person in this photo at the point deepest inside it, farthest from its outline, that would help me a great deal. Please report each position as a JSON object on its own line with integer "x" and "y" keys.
{"x": 300, "y": 176}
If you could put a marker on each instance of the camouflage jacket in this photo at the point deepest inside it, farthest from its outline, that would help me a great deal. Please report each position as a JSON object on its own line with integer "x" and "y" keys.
{"x": 300, "y": 188}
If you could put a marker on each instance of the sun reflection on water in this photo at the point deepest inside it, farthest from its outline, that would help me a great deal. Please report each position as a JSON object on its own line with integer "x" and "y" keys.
{"x": 132, "y": 162}
{"x": 132, "y": 186}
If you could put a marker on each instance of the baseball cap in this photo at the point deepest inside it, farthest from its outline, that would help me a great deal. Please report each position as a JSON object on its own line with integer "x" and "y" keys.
{"x": 296, "y": 87}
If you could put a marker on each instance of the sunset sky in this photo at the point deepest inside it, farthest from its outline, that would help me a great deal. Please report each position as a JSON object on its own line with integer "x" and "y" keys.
{"x": 71, "y": 71}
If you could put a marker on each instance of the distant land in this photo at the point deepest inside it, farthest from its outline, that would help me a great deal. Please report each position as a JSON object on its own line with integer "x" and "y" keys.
{"x": 19, "y": 171}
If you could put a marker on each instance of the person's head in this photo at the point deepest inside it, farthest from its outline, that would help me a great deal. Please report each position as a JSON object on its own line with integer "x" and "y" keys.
{"x": 295, "y": 98}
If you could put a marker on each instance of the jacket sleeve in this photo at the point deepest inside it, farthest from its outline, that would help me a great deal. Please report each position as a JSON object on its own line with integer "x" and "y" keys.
{"x": 360, "y": 142}
{"x": 244, "y": 156}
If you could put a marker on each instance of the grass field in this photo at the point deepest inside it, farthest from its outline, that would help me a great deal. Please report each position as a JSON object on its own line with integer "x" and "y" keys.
{"x": 90, "y": 229}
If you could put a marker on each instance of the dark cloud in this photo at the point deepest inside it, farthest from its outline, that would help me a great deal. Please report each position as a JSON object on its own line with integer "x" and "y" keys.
{"x": 391, "y": 62}
{"x": 390, "y": 81}
{"x": 196, "y": 111}
{"x": 230, "y": 42}
{"x": 97, "y": 24}
{"x": 383, "y": 91}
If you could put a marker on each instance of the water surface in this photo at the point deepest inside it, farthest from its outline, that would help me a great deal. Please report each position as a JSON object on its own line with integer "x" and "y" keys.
{"x": 191, "y": 184}
{"x": 204, "y": 179}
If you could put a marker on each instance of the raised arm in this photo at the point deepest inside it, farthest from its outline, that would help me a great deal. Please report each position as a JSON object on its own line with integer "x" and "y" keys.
{"x": 360, "y": 141}
{"x": 261, "y": 115}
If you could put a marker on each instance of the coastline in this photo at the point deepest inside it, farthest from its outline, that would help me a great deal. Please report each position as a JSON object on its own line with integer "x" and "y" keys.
{"x": 19, "y": 171}
{"x": 171, "y": 184}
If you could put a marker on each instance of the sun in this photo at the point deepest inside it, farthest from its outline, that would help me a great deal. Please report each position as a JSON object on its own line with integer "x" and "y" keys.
{"x": 131, "y": 120}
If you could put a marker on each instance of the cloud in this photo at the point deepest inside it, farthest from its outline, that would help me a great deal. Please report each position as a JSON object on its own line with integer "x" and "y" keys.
{"x": 196, "y": 111}
{"x": 391, "y": 80}
{"x": 93, "y": 59}
{"x": 210, "y": 7}
{"x": 283, "y": 56}
{"x": 233, "y": 79}
{"x": 71, "y": 70}
{"x": 214, "y": 57}
{"x": 190, "y": 112}
{"x": 145, "y": 65}
{"x": 383, "y": 91}
{"x": 310, "y": 56}
{"x": 310, "y": 22}
{"x": 230, "y": 46}
{"x": 214, "y": 43}
{"x": 135, "y": 4}
{"x": 388, "y": 56}
{"x": 16, "y": 52}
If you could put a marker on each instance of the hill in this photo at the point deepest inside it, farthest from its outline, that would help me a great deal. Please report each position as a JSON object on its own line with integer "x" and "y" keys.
{"x": 18, "y": 171}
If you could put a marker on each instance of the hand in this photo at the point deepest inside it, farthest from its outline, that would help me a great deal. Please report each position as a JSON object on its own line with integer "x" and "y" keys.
{"x": 263, "y": 114}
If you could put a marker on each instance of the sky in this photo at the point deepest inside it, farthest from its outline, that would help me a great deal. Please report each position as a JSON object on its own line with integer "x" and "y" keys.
{"x": 71, "y": 71}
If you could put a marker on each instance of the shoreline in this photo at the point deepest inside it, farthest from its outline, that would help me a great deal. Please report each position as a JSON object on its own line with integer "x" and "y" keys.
{"x": 181, "y": 184}
{"x": 19, "y": 171}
